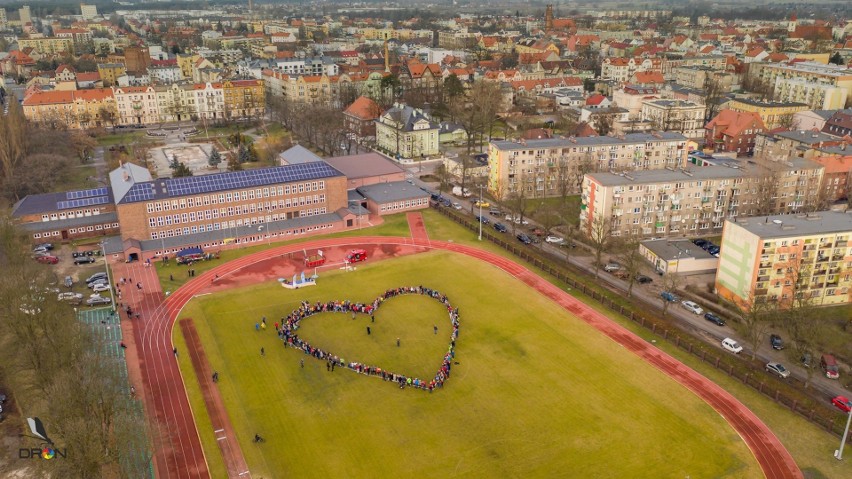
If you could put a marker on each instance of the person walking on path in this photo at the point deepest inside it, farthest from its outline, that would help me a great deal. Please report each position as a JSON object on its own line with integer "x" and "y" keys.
{"x": 215, "y": 376}
{"x": 262, "y": 352}
{"x": 302, "y": 363}
{"x": 139, "y": 286}
{"x": 175, "y": 351}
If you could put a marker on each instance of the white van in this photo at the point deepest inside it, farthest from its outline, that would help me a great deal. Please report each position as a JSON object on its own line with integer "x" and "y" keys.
{"x": 732, "y": 345}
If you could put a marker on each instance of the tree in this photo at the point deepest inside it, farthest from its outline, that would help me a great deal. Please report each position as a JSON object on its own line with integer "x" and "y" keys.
{"x": 214, "y": 159}
{"x": 836, "y": 59}
{"x": 83, "y": 144}
{"x": 713, "y": 93}
{"x": 453, "y": 87}
{"x": 243, "y": 155}
{"x": 604, "y": 122}
{"x": 805, "y": 325}
{"x": 670, "y": 282}
{"x": 234, "y": 164}
{"x": 174, "y": 163}
{"x": 752, "y": 320}
{"x": 600, "y": 237}
{"x": 629, "y": 258}
{"x": 181, "y": 170}
{"x": 444, "y": 177}
{"x": 390, "y": 89}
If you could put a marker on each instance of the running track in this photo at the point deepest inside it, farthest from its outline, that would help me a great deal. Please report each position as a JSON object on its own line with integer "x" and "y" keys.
{"x": 178, "y": 451}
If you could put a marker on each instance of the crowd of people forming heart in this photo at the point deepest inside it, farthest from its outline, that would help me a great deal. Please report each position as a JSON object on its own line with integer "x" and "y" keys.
{"x": 290, "y": 325}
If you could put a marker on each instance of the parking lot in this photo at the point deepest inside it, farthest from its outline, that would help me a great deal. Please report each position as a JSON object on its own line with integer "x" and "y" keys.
{"x": 78, "y": 272}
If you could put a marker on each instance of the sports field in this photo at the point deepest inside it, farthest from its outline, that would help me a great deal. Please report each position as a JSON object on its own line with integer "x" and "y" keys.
{"x": 536, "y": 393}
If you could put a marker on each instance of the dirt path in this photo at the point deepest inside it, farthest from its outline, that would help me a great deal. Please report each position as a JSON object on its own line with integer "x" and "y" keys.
{"x": 235, "y": 463}
{"x": 773, "y": 458}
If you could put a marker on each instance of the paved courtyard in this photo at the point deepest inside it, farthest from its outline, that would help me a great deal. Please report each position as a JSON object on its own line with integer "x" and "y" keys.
{"x": 193, "y": 155}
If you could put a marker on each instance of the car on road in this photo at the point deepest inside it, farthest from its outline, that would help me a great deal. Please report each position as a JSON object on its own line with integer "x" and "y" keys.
{"x": 642, "y": 279}
{"x": 713, "y": 318}
{"x": 842, "y": 403}
{"x": 96, "y": 300}
{"x": 779, "y": 369}
{"x": 481, "y": 204}
{"x": 829, "y": 366}
{"x": 523, "y": 238}
{"x": 100, "y": 287}
{"x": 517, "y": 220}
{"x": 776, "y": 342}
{"x": 732, "y": 346}
{"x": 457, "y": 206}
{"x": 47, "y": 259}
{"x": 610, "y": 267}
{"x": 446, "y": 202}
{"x": 500, "y": 227}
{"x": 670, "y": 297}
{"x": 552, "y": 239}
{"x": 692, "y": 307}
{"x": 482, "y": 219}
{"x": 495, "y": 212}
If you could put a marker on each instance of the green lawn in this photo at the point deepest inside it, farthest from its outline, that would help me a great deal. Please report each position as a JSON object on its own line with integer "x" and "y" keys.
{"x": 125, "y": 138}
{"x": 79, "y": 178}
{"x": 536, "y": 391}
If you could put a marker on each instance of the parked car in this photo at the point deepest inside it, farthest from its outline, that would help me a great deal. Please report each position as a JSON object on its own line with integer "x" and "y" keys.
{"x": 83, "y": 260}
{"x": 713, "y": 318}
{"x": 100, "y": 287}
{"x": 610, "y": 267}
{"x": 829, "y": 366}
{"x": 96, "y": 300}
{"x": 706, "y": 246}
{"x": 670, "y": 297}
{"x": 552, "y": 239}
{"x": 96, "y": 276}
{"x": 495, "y": 212}
{"x": 700, "y": 242}
{"x": 38, "y": 250}
{"x": 776, "y": 342}
{"x": 779, "y": 369}
{"x": 714, "y": 250}
{"x": 692, "y": 307}
{"x": 806, "y": 360}
{"x": 47, "y": 259}
{"x": 98, "y": 282}
{"x": 482, "y": 219}
{"x": 457, "y": 206}
{"x": 500, "y": 227}
{"x": 842, "y": 403}
{"x": 47, "y": 246}
{"x": 481, "y": 204}
{"x": 732, "y": 346}
{"x": 523, "y": 238}
{"x": 69, "y": 282}
{"x": 642, "y": 279}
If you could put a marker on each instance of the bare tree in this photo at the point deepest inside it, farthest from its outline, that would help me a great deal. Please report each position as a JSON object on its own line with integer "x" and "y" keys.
{"x": 600, "y": 238}
{"x": 752, "y": 320}
{"x": 669, "y": 283}
{"x": 630, "y": 258}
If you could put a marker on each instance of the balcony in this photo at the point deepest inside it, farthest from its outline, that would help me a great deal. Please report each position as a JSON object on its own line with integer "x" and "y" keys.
{"x": 766, "y": 264}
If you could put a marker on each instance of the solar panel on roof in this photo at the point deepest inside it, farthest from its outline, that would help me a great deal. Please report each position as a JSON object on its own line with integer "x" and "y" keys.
{"x": 80, "y": 202}
{"x": 74, "y": 195}
{"x": 245, "y": 179}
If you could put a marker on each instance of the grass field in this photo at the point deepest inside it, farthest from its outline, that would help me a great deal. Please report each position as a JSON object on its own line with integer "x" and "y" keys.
{"x": 537, "y": 392}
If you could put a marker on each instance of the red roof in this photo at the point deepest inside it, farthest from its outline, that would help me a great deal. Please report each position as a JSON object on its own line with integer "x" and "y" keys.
{"x": 595, "y": 99}
{"x": 732, "y": 123}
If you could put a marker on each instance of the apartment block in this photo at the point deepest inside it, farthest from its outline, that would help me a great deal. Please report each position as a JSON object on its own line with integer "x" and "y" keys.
{"x": 808, "y": 82}
{"x": 684, "y": 117}
{"x": 549, "y": 167}
{"x": 48, "y": 45}
{"x": 787, "y": 258}
{"x": 773, "y": 113}
{"x": 697, "y": 201}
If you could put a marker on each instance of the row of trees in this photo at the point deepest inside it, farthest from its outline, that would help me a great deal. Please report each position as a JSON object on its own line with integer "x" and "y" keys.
{"x": 36, "y": 160}
{"x": 61, "y": 372}
{"x": 320, "y": 125}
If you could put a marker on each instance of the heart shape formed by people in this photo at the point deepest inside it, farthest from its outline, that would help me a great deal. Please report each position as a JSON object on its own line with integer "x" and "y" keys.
{"x": 290, "y": 325}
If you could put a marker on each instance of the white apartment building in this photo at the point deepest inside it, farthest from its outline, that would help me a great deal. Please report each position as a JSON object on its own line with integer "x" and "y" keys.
{"x": 818, "y": 96}
{"x": 684, "y": 117}
{"x": 549, "y": 167}
{"x": 307, "y": 66}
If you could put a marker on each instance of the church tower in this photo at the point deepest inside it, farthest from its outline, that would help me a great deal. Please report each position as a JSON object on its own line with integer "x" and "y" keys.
{"x": 548, "y": 18}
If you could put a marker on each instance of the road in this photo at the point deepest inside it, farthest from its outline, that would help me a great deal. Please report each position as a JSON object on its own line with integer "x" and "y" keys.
{"x": 691, "y": 323}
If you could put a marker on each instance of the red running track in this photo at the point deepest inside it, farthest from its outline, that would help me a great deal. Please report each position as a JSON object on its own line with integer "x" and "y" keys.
{"x": 180, "y": 460}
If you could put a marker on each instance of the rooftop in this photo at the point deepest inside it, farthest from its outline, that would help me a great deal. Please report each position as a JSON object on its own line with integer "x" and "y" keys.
{"x": 392, "y": 191}
{"x": 783, "y": 226}
{"x": 673, "y": 250}
{"x": 630, "y": 138}
{"x": 364, "y": 165}
{"x": 664, "y": 176}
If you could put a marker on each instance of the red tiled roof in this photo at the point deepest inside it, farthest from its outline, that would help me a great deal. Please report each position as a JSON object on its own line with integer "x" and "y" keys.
{"x": 734, "y": 122}
{"x": 364, "y": 108}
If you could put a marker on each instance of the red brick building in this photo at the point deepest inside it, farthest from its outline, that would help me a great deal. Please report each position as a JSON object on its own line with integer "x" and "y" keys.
{"x": 67, "y": 216}
{"x": 360, "y": 118}
{"x": 733, "y": 131}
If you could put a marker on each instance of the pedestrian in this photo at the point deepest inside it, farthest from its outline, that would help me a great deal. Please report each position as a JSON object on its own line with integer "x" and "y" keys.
{"x": 435, "y": 328}
{"x": 328, "y": 365}
{"x": 332, "y": 366}
{"x": 262, "y": 352}
{"x": 171, "y": 277}
{"x": 372, "y": 318}
{"x": 263, "y": 326}
{"x": 257, "y": 326}
{"x": 397, "y": 342}
{"x": 368, "y": 330}
{"x": 263, "y": 320}
{"x": 175, "y": 351}
{"x": 139, "y": 286}
{"x": 302, "y": 363}
{"x": 132, "y": 391}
